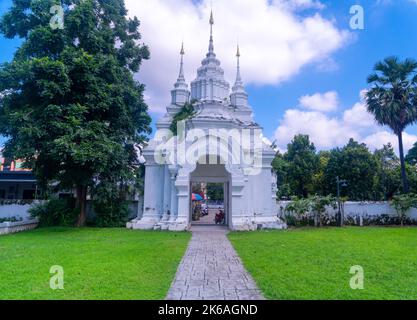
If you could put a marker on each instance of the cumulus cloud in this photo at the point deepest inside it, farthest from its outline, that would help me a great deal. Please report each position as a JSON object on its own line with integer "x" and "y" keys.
{"x": 378, "y": 139}
{"x": 326, "y": 132}
{"x": 302, "y": 4}
{"x": 326, "y": 102}
{"x": 276, "y": 41}
{"x": 358, "y": 117}
{"x": 329, "y": 132}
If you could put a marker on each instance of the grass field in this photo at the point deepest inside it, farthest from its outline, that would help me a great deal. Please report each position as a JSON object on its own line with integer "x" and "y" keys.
{"x": 97, "y": 263}
{"x": 315, "y": 263}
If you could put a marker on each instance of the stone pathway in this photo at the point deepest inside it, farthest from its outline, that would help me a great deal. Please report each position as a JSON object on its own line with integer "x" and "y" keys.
{"x": 212, "y": 270}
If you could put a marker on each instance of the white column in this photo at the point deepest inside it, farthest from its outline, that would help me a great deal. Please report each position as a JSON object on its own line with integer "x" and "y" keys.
{"x": 153, "y": 198}
{"x": 167, "y": 193}
{"x": 183, "y": 186}
{"x": 174, "y": 198}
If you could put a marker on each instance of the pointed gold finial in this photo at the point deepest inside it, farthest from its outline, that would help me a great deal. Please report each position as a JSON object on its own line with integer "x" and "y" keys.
{"x": 182, "y": 49}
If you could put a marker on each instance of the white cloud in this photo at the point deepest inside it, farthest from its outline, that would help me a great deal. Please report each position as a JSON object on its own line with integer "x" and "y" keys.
{"x": 358, "y": 117}
{"x": 276, "y": 42}
{"x": 302, "y": 4}
{"x": 328, "y": 132}
{"x": 326, "y": 102}
{"x": 378, "y": 139}
{"x": 324, "y": 131}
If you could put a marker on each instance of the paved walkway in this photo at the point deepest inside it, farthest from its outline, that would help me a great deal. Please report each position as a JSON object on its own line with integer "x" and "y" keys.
{"x": 212, "y": 270}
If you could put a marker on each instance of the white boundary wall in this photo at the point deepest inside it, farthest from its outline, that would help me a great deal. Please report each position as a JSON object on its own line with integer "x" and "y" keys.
{"x": 17, "y": 210}
{"x": 354, "y": 209}
{"x": 14, "y": 227}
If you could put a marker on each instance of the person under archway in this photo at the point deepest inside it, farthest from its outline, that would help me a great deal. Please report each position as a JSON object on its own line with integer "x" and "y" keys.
{"x": 220, "y": 216}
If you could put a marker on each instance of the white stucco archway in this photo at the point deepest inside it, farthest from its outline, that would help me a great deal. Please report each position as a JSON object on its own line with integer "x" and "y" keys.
{"x": 213, "y": 173}
{"x": 222, "y": 125}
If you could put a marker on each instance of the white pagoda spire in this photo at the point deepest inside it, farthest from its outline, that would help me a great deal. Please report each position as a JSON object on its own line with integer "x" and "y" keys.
{"x": 238, "y": 82}
{"x": 181, "y": 78}
{"x": 211, "y": 43}
{"x": 210, "y": 84}
{"x": 180, "y": 94}
{"x": 239, "y": 97}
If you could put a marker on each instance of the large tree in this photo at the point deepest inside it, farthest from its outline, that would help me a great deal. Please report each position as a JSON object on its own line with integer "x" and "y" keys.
{"x": 280, "y": 167}
{"x": 69, "y": 104}
{"x": 393, "y": 99}
{"x": 387, "y": 181}
{"x": 303, "y": 163}
{"x": 355, "y": 164}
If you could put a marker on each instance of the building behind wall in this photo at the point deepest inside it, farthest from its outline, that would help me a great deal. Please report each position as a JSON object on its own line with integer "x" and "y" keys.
{"x": 16, "y": 183}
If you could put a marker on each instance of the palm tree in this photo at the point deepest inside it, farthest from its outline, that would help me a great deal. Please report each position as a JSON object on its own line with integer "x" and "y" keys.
{"x": 393, "y": 99}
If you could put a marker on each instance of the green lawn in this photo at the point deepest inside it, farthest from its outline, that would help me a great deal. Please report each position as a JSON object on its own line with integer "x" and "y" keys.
{"x": 315, "y": 263}
{"x": 98, "y": 263}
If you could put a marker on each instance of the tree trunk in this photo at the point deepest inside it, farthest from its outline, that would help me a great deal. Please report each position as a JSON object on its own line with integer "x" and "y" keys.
{"x": 81, "y": 205}
{"x": 404, "y": 179}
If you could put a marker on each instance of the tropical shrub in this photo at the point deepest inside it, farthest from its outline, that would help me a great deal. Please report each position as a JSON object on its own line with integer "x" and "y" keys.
{"x": 302, "y": 211}
{"x": 111, "y": 213}
{"x": 402, "y": 204}
{"x": 56, "y": 212}
{"x": 318, "y": 206}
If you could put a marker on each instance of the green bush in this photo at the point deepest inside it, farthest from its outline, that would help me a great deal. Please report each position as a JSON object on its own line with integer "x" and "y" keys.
{"x": 110, "y": 213}
{"x": 55, "y": 212}
{"x": 402, "y": 204}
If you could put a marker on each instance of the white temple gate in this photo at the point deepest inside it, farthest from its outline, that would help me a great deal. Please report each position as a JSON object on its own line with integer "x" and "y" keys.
{"x": 219, "y": 143}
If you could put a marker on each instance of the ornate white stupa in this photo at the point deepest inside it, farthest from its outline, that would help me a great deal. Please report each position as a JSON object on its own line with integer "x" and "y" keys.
{"x": 219, "y": 143}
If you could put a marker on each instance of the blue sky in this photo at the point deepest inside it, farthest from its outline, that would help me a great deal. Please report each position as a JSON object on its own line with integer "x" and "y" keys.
{"x": 342, "y": 69}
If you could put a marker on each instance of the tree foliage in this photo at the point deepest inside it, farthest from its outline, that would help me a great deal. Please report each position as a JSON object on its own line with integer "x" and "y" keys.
{"x": 387, "y": 179}
{"x": 215, "y": 191}
{"x": 411, "y": 157}
{"x": 393, "y": 99}
{"x": 370, "y": 176}
{"x": 302, "y": 164}
{"x": 355, "y": 164}
{"x": 69, "y": 104}
{"x": 187, "y": 112}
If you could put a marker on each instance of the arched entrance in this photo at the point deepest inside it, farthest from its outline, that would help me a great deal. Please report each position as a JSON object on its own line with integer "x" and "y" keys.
{"x": 206, "y": 175}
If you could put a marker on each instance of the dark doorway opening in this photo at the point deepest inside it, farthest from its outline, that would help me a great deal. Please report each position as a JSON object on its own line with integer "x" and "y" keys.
{"x": 208, "y": 203}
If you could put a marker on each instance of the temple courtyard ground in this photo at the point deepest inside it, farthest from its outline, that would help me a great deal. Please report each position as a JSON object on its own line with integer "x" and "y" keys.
{"x": 316, "y": 263}
{"x": 303, "y": 263}
{"x": 97, "y": 263}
